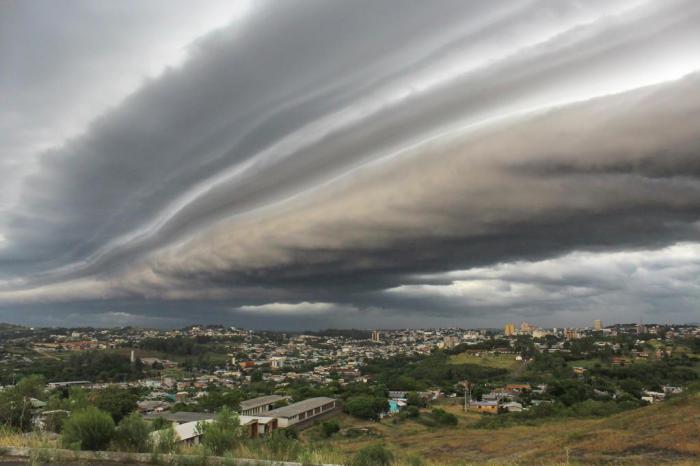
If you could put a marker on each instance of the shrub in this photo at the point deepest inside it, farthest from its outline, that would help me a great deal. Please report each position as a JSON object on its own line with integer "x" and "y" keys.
{"x": 160, "y": 423}
{"x": 222, "y": 434}
{"x": 443, "y": 417}
{"x": 165, "y": 441}
{"x": 414, "y": 399}
{"x": 329, "y": 428}
{"x": 88, "y": 429}
{"x": 412, "y": 412}
{"x": 373, "y": 455}
{"x": 281, "y": 446}
{"x": 132, "y": 434}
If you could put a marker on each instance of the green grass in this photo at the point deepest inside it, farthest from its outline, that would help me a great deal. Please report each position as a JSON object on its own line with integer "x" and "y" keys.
{"x": 488, "y": 360}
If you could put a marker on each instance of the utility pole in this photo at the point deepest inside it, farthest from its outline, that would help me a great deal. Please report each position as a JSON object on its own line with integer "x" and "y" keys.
{"x": 467, "y": 387}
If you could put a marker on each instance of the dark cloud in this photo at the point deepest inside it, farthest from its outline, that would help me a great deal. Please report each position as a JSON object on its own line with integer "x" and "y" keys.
{"x": 315, "y": 155}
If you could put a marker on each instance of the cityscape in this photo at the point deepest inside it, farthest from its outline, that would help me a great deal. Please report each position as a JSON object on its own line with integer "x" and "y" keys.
{"x": 349, "y": 232}
{"x": 336, "y": 385}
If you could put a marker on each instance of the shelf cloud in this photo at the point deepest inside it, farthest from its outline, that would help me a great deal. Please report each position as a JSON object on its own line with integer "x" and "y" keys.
{"x": 317, "y": 164}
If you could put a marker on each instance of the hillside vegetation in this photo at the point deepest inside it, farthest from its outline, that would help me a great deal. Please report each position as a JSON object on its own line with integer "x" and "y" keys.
{"x": 667, "y": 433}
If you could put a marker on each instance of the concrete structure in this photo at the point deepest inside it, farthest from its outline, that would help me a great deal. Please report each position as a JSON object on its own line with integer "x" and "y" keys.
{"x": 258, "y": 425}
{"x": 509, "y": 329}
{"x": 181, "y": 417}
{"x": 597, "y": 325}
{"x": 526, "y": 327}
{"x": 450, "y": 341}
{"x": 301, "y": 411}
{"x": 277, "y": 362}
{"x": 260, "y": 405}
{"x": 186, "y": 434}
{"x": 488, "y": 407}
{"x": 72, "y": 383}
{"x": 512, "y": 407}
{"x": 376, "y": 336}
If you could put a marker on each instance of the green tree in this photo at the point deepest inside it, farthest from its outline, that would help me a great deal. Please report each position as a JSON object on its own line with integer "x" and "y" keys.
{"x": 88, "y": 429}
{"x": 366, "y": 407}
{"x": 222, "y": 434}
{"x": 414, "y": 399}
{"x": 116, "y": 401}
{"x": 16, "y": 402}
{"x": 132, "y": 434}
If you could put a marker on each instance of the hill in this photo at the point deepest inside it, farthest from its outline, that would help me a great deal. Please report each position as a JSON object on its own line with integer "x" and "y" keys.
{"x": 662, "y": 433}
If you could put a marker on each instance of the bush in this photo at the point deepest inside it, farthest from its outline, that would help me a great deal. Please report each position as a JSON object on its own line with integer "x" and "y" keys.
{"x": 443, "y": 417}
{"x": 160, "y": 423}
{"x": 280, "y": 446}
{"x": 414, "y": 399}
{"x": 329, "y": 428}
{"x": 165, "y": 441}
{"x": 88, "y": 429}
{"x": 222, "y": 434}
{"x": 411, "y": 412}
{"x": 132, "y": 434}
{"x": 373, "y": 455}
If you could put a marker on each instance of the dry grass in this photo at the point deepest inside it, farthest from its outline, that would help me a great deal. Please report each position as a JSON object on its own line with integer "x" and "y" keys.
{"x": 666, "y": 433}
{"x": 12, "y": 438}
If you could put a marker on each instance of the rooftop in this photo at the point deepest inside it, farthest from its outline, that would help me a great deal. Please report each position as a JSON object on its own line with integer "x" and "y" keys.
{"x": 181, "y": 416}
{"x": 260, "y": 401}
{"x": 299, "y": 407}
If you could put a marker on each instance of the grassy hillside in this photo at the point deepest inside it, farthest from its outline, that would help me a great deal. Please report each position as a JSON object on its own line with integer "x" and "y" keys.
{"x": 499, "y": 361}
{"x": 663, "y": 433}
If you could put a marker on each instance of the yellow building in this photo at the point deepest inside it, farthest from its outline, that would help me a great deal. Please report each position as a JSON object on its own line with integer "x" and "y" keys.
{"x": 509, "y": 329}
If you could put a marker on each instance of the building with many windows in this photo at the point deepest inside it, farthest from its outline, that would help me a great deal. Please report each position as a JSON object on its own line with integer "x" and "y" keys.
{"x": 303, "y": 410}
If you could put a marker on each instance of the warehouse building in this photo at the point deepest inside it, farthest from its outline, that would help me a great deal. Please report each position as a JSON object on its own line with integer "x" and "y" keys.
{"x": 301, "y": 411}
{"x": 260, "y": 405}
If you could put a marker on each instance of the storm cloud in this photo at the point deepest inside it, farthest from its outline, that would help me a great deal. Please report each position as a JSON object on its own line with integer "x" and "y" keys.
{"x": 386, "y": 163}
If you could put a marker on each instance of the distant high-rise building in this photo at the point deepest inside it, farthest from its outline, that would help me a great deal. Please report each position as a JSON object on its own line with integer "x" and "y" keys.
{"x": 526, "y": 327}
{"x": 597, "y": 325}
{"x": 450, "y": 341}
{"x": 376, "y": 336}
{"x": 509, "y": 329}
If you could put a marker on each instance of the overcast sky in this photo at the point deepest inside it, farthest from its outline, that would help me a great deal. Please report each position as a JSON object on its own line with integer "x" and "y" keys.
{"x": 308, "y": 164}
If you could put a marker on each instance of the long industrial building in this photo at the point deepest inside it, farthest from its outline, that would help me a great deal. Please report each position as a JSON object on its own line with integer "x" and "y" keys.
{"x": 260, "y": 405}
{"x": 301, "y": 411}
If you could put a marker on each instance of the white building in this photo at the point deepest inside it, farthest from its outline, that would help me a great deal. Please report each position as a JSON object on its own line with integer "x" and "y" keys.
{"x": 301, "y": 411}
{"x": 260, "y": 405}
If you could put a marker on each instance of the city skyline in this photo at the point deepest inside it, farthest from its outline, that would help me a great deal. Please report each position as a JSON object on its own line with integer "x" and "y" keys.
{"x": 306, "y": 165}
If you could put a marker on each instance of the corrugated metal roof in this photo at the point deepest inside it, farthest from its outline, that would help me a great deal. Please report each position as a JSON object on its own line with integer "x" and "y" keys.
{"x": 260, "y": 401}
{"x": 181, "y": 416}
{"x": 298, "y": 408}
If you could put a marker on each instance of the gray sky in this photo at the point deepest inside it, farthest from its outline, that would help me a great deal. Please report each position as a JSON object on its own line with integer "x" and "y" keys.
{"x": 306, "y": 164}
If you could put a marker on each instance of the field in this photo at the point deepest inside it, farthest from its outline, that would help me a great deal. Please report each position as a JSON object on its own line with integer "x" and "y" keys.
{"x": 489, "y": 360}
{"x": 664, "y": 433}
